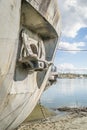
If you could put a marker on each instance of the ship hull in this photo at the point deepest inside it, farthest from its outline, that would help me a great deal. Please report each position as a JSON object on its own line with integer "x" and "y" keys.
{"x": 21, "y": 85}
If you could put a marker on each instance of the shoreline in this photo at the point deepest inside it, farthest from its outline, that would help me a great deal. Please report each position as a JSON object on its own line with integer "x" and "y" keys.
{"x": 73, "y": 120}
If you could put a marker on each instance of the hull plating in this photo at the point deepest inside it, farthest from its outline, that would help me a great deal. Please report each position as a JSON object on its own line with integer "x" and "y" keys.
{"x": 22, "y": 83}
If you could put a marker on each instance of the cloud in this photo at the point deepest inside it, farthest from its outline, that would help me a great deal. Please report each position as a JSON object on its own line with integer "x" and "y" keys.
{"x": 65, "y": 66}
{"x": 74, "y": 46}
{"x": 68, "y": 67}
{"x": 74, "y": 16}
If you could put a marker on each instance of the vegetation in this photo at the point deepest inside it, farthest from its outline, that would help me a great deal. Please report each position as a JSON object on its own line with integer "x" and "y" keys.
{"x": 37, "y": 113}
{"x": 71, "y": 75}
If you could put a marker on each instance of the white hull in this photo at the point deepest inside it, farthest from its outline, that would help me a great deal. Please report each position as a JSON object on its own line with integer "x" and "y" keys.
{"x": 21, "y": 88}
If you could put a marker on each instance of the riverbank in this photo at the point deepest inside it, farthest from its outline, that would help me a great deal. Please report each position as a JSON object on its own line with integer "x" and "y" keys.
{"x": 71, "y": 75}
{"x": 74, "y": 120}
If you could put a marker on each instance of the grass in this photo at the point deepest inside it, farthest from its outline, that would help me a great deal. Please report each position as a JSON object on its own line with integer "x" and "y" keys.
{"x": 37, "y": 113}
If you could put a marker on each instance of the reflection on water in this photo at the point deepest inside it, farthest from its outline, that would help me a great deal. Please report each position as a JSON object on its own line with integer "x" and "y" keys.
{"x": 67, "y": 92}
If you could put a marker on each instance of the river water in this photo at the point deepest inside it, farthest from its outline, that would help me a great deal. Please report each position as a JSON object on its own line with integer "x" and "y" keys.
{"x": 66, "y": 92}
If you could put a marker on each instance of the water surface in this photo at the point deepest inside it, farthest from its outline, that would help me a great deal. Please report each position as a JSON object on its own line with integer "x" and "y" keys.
{"x": 66, "y": 92}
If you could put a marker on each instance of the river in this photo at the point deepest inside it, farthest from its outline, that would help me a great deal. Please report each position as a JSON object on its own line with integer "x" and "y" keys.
{"x": 66, "y": 92}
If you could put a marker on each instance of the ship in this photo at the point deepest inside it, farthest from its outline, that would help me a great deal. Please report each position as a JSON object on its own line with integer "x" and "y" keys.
{"x": 29, "y": 35}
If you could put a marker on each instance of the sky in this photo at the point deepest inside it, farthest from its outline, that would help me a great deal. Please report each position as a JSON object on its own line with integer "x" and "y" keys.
{"x": 73, "y": 37}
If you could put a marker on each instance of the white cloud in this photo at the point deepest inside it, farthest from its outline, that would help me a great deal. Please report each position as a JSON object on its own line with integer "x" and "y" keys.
{"x": 74, "y": 16}
{"x": 73, "y": 46}
{"x": 68, "y": 67}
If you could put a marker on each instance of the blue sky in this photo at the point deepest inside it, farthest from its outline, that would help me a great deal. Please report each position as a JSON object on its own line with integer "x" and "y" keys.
{"x": 73, "y": 36}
